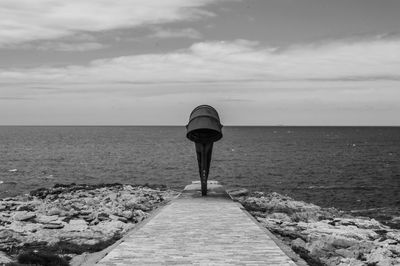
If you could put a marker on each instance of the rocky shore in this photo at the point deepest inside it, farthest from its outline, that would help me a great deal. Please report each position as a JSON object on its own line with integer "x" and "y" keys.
{"x": 59, "y": 223}
{"x": 324, "y": 236}
{"x": 53, "y": 226}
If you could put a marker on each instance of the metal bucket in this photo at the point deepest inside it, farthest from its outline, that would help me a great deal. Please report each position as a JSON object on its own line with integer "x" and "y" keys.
{"x": 204, "y": 125}
{"x": 204, "y": 129}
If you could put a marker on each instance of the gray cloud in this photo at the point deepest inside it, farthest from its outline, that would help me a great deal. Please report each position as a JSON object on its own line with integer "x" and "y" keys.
{"x": 175, "y": 33}
{"x": 23, "y": 21}
{"x": 238, "y": 61}
{"x": 70, "y": 47}
{"x": 14, "y": 98}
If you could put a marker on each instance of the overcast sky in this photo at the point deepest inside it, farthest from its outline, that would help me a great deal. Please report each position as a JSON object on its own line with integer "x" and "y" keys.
{"x": 150, "y": 62}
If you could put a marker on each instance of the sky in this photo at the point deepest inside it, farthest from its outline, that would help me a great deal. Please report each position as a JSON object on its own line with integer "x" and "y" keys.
{"x": 148, "y": 62}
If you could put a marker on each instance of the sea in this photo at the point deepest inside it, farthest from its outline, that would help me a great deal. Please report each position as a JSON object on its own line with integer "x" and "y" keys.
{"x": 350, "y": 168}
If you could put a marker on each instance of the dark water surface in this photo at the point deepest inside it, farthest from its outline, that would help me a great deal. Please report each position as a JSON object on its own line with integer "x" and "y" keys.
{"x": 345, "y": 167}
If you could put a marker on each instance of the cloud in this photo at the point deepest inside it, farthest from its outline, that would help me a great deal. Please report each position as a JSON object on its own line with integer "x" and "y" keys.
{"x": 69, "y": 47}
{"x": 7, "y": 98}
{"x": 336, "y": 83}
{"x": 176, "y": 33}
{"x": 25, "y": 20}
{"x": 237, "y": 61}
{"x": 79, "y": 42}
{"x": 62, "y": 46}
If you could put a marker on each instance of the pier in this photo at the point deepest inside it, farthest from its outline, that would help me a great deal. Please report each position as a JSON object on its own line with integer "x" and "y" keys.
{"x": 196, "y": 230}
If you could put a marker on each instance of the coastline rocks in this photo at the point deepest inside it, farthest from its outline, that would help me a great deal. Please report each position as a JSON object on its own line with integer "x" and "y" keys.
{"x": 325, "y": 236}
{"x": 277, "y": 203}
{"x": 54, "y": 212}
{"x": 23, "y": 215}
{"x": 4, "y": 258}
{"x": 85, "y": 215}
{"x": 53, "y": 225}
{"x": 76, "y": 225}
{"x": 240, "y": 192}
{"x": 44, "y": 219}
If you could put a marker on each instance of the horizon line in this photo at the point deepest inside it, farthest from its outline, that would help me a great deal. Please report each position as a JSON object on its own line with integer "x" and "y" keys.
{"x": 161, "y": 125}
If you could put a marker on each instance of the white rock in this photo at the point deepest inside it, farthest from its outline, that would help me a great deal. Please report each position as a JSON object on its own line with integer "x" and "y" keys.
{"x": 299, "y": 243}
{"x": 4, "y": 259}
{"x": 351, "y": 262}
{"x": 127, "y": 214}
{"x": 54, "y": 211}
{"x": 76, "y": 225}
{"x": 23, "y": 215}
{"x": 238, "y": 192}
{"x": 44, "y": 219}
{"x": 283, "y": 217}
{"x": 23, "y": 227}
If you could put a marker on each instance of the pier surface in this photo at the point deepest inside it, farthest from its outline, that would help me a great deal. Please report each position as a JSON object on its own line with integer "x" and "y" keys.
{"x": 195, "y": 230}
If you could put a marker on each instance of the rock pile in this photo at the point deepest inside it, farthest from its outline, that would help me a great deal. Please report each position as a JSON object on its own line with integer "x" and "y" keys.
{"x": 324, "y": 236}
{"x": 79, "y": 215}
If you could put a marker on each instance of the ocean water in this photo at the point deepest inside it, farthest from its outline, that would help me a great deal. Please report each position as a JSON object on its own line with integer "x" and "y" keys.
{"x": 351, "y": 168}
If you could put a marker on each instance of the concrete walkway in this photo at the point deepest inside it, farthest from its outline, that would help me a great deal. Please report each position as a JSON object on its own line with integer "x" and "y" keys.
{"x": 195, "y": 230}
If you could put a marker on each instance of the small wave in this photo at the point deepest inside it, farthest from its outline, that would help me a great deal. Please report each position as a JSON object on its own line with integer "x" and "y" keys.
{"x": 46, "y": 177}
{"x": 344, "y": 187}
{"x": 171, "y": 168}
{"x": 381, "y": 209}
{"x": 8, "y": 184}
{"x": 13, "y": 170}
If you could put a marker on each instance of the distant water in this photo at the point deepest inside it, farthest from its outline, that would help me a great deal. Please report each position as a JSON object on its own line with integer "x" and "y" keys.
{"x": 345, "y": 167}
